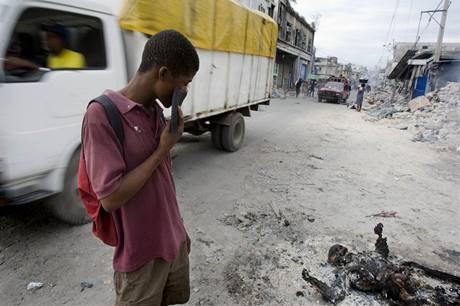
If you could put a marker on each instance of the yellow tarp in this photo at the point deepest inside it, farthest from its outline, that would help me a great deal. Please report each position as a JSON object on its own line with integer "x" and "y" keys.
{"x": 222, "y": 25}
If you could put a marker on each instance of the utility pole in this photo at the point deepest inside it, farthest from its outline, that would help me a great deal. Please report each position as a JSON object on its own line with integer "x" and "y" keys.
{"x": 442, "y": 26}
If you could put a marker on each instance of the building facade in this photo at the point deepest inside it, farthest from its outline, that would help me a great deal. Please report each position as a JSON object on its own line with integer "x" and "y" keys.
{"x": 269, "y": 7}
{"x": 326, "y": 67}
{"x": 295, "y": 51}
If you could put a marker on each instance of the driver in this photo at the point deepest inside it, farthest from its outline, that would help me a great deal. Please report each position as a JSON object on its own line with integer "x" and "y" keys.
{"x": 57, "y": 37}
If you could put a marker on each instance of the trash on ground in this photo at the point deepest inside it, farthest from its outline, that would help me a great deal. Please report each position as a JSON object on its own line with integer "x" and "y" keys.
{"x": 84, "y": 285}
{"x": 34, "y": 286}
{"x": 385, "y": 214}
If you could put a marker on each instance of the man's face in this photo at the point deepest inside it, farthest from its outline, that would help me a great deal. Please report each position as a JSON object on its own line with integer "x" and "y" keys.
{"x": 55, "y": 42}
{"x": 166, "y": 83}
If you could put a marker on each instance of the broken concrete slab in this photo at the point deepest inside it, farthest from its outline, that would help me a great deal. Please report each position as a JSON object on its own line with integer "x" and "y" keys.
{"x": 419, "y": 103}
{"x": 401, "y": 126}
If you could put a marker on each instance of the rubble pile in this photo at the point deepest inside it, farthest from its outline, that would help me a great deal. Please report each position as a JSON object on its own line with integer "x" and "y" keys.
{"x": 386, "y": 101}
{"x": 434, "y": 118}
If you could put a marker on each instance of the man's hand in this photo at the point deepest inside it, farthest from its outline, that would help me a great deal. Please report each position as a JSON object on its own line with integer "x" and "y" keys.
{"x": 16, "y": 62}
{"x": 167, "y": 139}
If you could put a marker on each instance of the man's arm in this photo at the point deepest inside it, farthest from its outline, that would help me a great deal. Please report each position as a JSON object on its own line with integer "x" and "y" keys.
{"x": 16, "y": 62}
{"x": 134, "y": 180}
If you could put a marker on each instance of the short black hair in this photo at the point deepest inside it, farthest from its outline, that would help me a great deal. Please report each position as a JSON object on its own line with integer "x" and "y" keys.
{"x": 171, "y": 49}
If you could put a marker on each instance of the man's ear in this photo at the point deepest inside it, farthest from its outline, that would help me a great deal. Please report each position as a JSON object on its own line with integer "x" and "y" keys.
{"x": 162, "y": 73}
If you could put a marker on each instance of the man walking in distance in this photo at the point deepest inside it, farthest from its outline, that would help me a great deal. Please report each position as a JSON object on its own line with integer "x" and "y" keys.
{"x": 135, "y": 184}
{"x": 298, "y": 86}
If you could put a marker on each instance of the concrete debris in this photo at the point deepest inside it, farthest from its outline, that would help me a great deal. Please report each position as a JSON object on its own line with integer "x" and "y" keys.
{"x": 401, "y": 126}
{"x": 278, "y": 93}
{"x": 316, "y": 157}
{"x": 419, "y": 103}
{"x": 34, "y": 286}
{"x": 433, "y": 118}
{"x": 430, "y": 136}
{"x": 385, "y": 214}
{"x": 84, "y": 285}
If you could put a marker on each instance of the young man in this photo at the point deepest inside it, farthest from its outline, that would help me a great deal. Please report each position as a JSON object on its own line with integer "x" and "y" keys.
{"x": 135, "y": 184}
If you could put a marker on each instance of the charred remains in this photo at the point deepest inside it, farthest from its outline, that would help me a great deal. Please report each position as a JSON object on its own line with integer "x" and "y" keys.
{"x": 400, "y": 283}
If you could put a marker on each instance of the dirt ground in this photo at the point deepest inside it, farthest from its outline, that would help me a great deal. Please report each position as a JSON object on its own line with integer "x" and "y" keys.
{"x": 307, "y": 177}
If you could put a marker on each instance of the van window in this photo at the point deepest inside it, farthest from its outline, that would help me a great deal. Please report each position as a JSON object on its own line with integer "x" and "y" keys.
{"x": 45, "y": 39}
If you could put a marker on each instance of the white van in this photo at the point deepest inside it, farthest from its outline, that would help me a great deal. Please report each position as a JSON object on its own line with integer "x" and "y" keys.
{"x": 42, "y": 110}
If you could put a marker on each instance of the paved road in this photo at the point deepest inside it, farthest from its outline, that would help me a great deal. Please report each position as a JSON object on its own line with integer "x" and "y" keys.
{"x": 308, "y": 176}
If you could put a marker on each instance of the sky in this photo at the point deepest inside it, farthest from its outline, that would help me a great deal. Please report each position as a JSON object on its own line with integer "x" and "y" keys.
{"x": 356, "y": 30}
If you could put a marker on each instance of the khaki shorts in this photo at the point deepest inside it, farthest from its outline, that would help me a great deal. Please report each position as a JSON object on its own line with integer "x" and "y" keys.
{"x": 155, "y": 283}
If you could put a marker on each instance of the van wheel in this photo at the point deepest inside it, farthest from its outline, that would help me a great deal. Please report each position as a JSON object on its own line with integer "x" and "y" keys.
{"x": 233, "y": 134}
{"x": 67, "y": 205}
{"x": 216, "y": 136}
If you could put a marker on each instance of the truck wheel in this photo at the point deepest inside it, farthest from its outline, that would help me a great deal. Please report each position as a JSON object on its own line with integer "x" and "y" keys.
{"x": 67, "y": 206}
{"x": 233, "y": 135}
{"x": 216, "y": 136}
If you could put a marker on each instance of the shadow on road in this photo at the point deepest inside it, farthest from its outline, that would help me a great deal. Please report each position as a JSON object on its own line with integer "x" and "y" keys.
{"x": 17, "y": 222}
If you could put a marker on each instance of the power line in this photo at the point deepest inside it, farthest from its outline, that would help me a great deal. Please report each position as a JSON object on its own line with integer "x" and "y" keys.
{"x": 408, "y": 19}
{"x": 395, "y": 23}
{"x": 390, "y": 31}
{"x": 431, "y": 13}
{"x": 390, "y": 27}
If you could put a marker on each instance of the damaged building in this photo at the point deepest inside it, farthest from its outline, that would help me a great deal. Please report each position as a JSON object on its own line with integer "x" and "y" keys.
{"x": 414, "y": 68}
{"x": 268, "y": 7}
{"x": 326, "y": 67}
{"x": 294, "y": 50}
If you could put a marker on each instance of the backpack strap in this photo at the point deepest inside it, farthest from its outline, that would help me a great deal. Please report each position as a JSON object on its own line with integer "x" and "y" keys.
{"x": 114, "y": 117}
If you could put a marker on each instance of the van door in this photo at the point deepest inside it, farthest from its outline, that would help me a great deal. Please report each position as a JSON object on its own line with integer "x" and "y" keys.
{"x": 56, "y": 60}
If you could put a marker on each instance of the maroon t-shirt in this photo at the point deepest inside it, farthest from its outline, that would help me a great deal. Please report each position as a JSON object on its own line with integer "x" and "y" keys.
{"x": 149, "y": 225}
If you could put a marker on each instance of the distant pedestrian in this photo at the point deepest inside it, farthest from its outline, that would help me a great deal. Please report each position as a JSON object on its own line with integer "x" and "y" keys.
{"x": 311, "y": 90}
{"x": 298, "y": 86}
{"x": 360, "y": 97}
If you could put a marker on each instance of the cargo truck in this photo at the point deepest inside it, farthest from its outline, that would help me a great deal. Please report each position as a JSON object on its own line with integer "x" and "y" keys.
{"x": 42, "y": 108}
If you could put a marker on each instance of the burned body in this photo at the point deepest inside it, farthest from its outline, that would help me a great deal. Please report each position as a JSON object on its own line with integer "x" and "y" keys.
{"x": 401, "y": 283}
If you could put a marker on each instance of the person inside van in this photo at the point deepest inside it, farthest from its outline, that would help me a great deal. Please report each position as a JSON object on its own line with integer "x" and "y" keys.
{"x": 60, "y": 56}
{"x": 21, "y": 53}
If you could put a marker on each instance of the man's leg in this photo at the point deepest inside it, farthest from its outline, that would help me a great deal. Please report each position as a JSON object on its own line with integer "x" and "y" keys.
{"x": 144, "y": 286}
{"x": 177, "y": 289}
